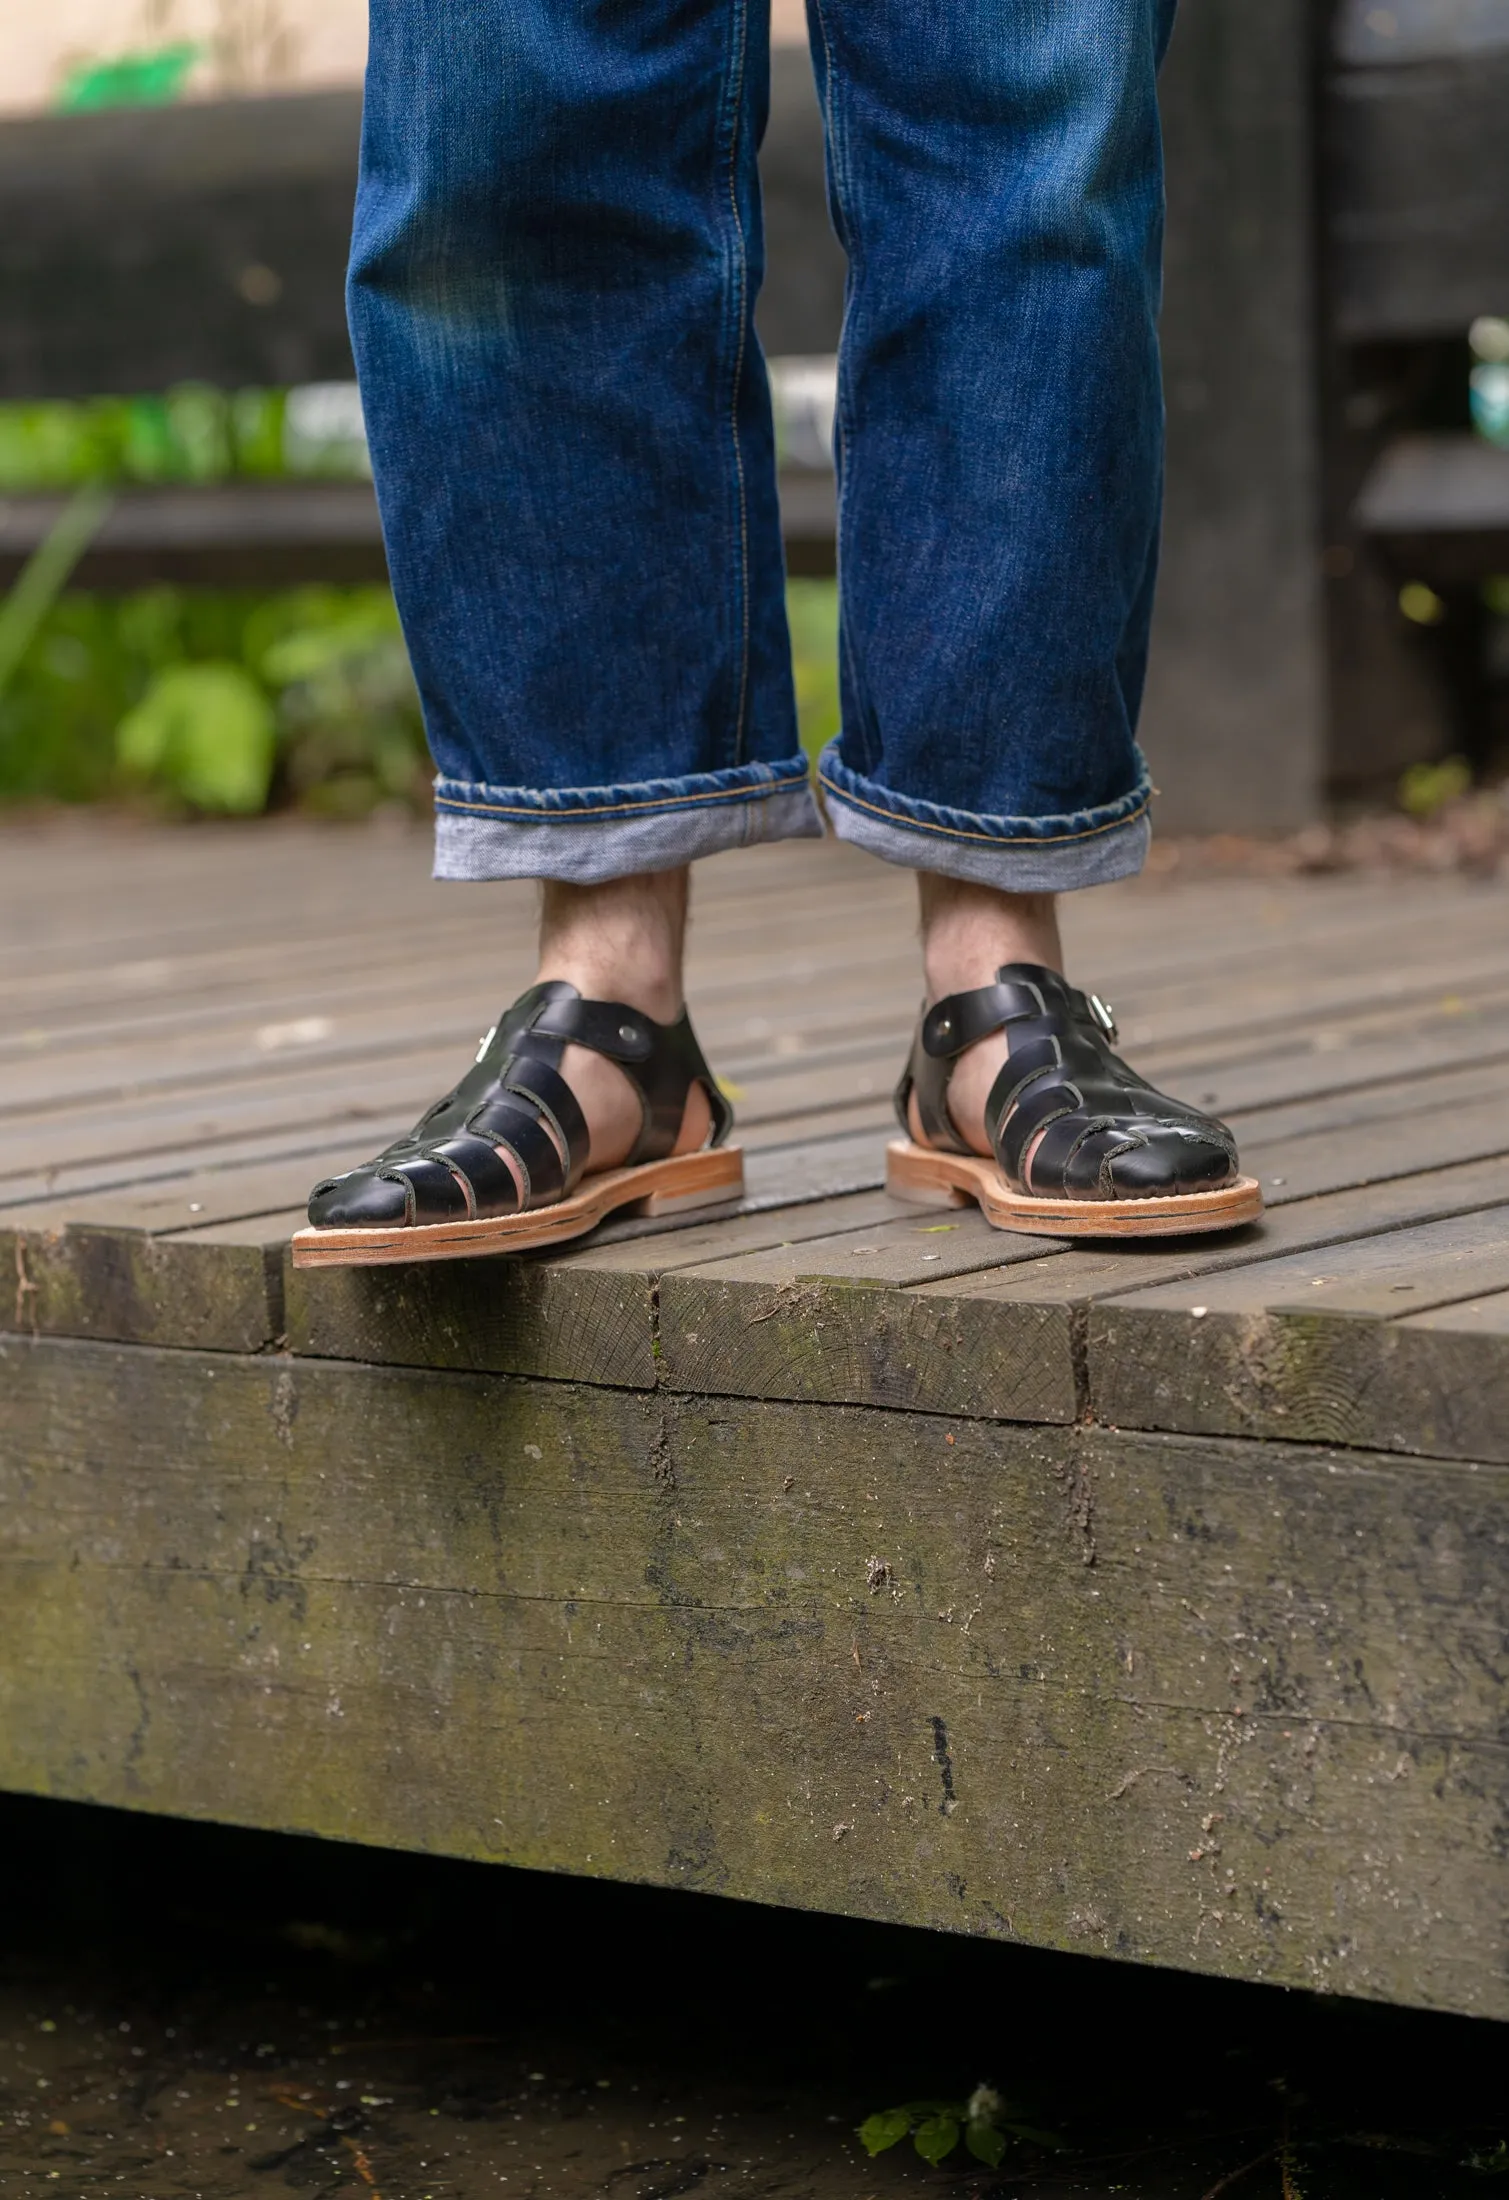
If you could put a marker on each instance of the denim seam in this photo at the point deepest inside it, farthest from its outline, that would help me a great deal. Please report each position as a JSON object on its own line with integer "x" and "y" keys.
{"x": 762, "y": 791}
{"x": 961, "y": 832}
{"x": 741, "y": 302}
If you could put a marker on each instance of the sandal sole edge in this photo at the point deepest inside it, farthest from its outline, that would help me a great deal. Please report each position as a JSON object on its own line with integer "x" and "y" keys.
{"x": 922, "y": 1176}
{"x": 708, "y": 1178}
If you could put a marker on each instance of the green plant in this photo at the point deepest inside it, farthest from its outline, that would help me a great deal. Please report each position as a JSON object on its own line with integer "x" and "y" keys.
{"x": 347, "y": 707}
{"x": 193, "y": 432}
{"x": 812, "y": 615}
{"x": 148, "y": 79}
{"x": 985, "y": 2122}
{"x": 45, "y": 575}
{"x": 327, "y": 665}
{"x": 205, "y": 733}
{"x": 1426, "y": 788}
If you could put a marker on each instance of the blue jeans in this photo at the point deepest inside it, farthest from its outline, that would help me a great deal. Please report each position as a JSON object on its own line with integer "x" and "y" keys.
{"x": 556, "y": 255}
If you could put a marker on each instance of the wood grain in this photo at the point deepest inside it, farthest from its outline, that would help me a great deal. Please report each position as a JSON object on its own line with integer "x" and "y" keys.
{"x": 1090, "y": 1691}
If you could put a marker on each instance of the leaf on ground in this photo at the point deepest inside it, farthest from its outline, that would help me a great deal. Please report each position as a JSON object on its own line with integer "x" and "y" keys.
{"x": 884, "y": 2129}
{"x": 936, "y": 2138}
{"x": 985, "y": 2143}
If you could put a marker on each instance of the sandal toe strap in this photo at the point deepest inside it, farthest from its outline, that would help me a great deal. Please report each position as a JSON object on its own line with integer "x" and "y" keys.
{"x": 510, "y": 1120}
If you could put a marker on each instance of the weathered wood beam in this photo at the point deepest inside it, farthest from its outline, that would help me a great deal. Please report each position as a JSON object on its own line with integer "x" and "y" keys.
{"x": 229, "y": 535}
{"x": 1235, "y": 724}
{"x": 1085, "y": 1690}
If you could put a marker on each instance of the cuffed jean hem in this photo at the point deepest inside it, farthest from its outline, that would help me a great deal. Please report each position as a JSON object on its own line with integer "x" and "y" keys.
{"x": 1042, "y": 855}
{"x": 587, "y": 834}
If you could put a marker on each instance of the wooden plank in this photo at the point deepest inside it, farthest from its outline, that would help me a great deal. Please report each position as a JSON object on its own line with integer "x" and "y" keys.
{"x": 43, "y": 1152}
{"x": 1438, "y": 506}
{"x": 791, "y": 1329}
{"x": 1079, "y": 1690}
{"x": 1386, "y": 1106}
{"x": 1311, "y": 1348}
{"x": 221, "y": 535}
{"x": 1372, "y": 1153}
{"x": 1428, "y": 1046}
{"x": 1004, "y": 1336}
{"x": 219, "y": 1291}
{"x": 1089, "y": 1273}
{"x": 588, "y": 1316}
{"x": 393, "y": 1021}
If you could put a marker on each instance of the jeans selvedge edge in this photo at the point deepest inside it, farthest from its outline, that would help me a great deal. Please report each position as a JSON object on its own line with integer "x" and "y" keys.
{"x": 1047, "y": 856}
{"x": 586, "y": 849}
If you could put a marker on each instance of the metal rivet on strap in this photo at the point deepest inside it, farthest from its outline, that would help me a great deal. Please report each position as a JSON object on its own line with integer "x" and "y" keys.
{"x": 945, "y": 1026}
{"x": 627, "y": 1031}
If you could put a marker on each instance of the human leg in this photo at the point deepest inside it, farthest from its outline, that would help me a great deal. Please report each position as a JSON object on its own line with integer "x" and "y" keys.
{"x": 995, "y": 172}
{"x": 622, "y": 940}
{"x": 553, "y": 273}
{"x": 996, "y": 176}
{"x": 968, "y": 932}
{"x": 556, "y": 251}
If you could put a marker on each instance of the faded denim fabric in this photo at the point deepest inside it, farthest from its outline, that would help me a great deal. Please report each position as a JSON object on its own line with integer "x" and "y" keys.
{"x": 556, "y": 255}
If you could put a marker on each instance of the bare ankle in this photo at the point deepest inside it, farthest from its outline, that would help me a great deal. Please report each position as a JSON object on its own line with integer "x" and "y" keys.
{"x": 620, "y": 940}
{"x": 968, "y": 931}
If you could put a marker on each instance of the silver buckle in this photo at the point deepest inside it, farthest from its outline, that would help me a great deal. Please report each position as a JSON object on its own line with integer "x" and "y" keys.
{"x": 1104, "y": 1015}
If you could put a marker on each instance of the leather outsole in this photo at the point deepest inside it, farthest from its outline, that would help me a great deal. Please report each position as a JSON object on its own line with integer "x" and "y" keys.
{"x": 709, "y": 1178}
{"x": 927, "y": 1177}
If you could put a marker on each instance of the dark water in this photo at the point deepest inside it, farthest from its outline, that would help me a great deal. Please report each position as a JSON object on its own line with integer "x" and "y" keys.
{"x": 198, "y": 2011}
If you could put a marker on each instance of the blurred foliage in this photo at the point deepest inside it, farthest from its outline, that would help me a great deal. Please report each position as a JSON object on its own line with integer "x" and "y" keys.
{"x": 198, "y": 699}
{"x": 148, "y": 79}
{"x": 192, "y": 433}
{"x": 1425, "y": 789}
{"x": 217, "y": 700}
{"x": 812, "y": 613}
{"x": 207, "y": 732}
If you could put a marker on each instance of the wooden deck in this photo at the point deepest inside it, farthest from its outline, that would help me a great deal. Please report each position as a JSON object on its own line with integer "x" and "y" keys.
{"x": 829, "y": 1552}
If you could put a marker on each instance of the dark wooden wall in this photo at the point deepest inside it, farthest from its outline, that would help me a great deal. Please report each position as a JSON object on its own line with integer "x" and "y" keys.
{"x": 145, "y": 246}
{"x": 1235, "y": 716}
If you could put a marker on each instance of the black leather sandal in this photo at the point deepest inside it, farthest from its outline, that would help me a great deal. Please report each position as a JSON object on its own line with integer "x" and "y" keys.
{"x": 1115, "y": 1158}
{"x": 445, "y": 1191}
